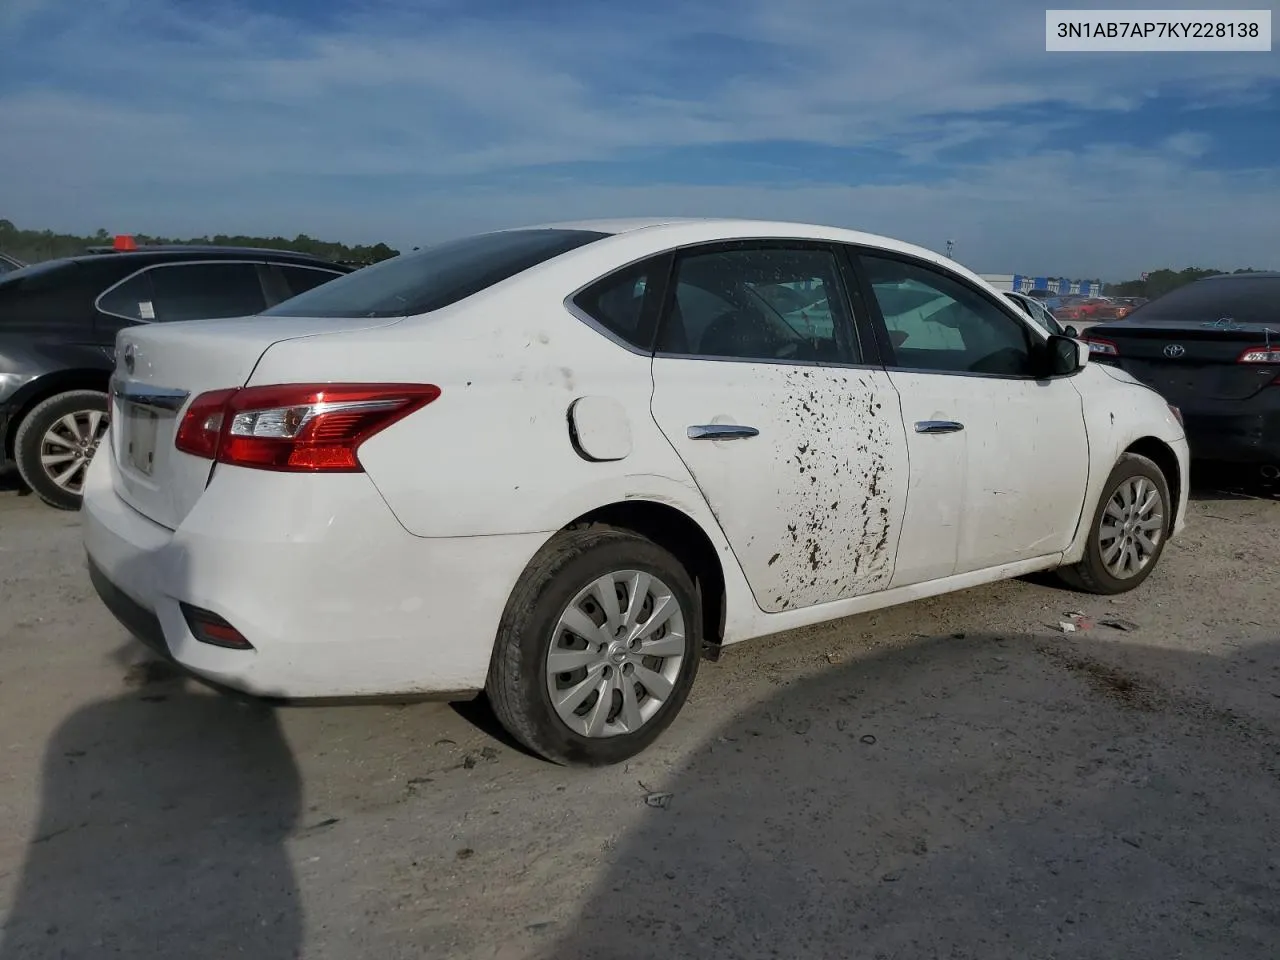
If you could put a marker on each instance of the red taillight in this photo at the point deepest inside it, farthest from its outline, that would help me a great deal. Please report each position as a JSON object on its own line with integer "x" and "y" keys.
{"x": 202, "y": 426}
{"x": 305, "y": 427}
{"x": 125, "y": 242}
{"x": 1263, "y": 354}
{"x": 1103, "y": 348}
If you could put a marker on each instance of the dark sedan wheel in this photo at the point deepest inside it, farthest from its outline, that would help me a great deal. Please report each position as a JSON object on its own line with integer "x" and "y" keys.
{"x": 55, "y": 443}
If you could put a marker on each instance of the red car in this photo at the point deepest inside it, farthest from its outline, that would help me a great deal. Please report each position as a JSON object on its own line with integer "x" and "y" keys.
{"x": 1092, "y": 310}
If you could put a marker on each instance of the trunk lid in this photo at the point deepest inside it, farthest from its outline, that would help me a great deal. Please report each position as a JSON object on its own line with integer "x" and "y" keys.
{"x": 1186, "y": 361}
{"x": 160, "y": 369}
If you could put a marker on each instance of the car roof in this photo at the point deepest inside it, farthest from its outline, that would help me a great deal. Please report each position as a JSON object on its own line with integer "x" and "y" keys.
{"x": 192, "y": 251}
{"x": 671, "y": 232}
{"x": 1257, "y": 275}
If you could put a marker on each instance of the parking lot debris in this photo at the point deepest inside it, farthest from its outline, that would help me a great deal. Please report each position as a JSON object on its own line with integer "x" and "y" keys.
{"x": 833, "y": 656}
{"x": 868, "y": 738}
{"x": 659, "y": 800}
{"x": 1118, "y": 623}
{"x": 803, "y": 726}
{"x": 1075, "y": 621}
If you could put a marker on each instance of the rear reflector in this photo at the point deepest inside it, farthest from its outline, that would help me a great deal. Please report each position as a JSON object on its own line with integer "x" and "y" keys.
{"x": 208, "y": 627}
{"x": 296, "y": 427}
{"x": 125, "y": 242}
{"x": 1103, "y": 348}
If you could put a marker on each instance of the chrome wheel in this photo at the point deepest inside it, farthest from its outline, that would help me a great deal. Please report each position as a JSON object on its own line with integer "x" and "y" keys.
{"x": 69, "y": 444}
{"x": 616, "y": 654}
{"x": 1132, "y": 527}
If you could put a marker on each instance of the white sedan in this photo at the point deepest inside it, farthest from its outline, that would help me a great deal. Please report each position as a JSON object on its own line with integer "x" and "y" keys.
{"x": 562, "y": 465}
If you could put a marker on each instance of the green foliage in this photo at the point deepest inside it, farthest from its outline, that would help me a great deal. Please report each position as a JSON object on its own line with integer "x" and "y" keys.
{"x": 1160, "y": 282}
{"x": 32, "y": 246}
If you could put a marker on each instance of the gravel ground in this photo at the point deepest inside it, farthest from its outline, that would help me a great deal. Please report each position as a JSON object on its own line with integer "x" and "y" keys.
{"x": 951, "y": 778}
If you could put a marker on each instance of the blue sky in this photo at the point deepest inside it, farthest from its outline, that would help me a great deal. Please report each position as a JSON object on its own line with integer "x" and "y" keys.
{"x": 415, "y": 120}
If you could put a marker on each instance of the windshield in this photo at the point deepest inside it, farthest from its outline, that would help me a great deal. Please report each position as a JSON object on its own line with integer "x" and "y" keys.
{"x": 435, "y": 277}
{"x": 1241, "y": 298}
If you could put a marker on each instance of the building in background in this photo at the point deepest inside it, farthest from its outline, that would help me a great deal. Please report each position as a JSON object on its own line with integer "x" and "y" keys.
{"x": 1019, "y": 283}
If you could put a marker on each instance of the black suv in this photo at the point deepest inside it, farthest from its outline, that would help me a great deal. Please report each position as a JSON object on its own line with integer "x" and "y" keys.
{"x": 58, "y": 325}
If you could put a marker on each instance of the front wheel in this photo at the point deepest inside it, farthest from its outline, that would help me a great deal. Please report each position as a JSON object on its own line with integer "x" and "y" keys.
{"x": 1129, "y": 529}
{"x": 55, "y": 443}
{"x": 597, "y": 649}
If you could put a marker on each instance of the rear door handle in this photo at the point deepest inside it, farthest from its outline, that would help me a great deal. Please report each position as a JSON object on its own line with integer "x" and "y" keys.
{"x": 938, "y": 426}
{"x": 721, "y": 431}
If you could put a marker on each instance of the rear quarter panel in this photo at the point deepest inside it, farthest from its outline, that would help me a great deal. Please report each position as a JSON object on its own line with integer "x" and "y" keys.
{"x": 493, "y": 455}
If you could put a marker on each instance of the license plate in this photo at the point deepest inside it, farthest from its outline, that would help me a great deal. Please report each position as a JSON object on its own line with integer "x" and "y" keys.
{"x": 142, "y": 426}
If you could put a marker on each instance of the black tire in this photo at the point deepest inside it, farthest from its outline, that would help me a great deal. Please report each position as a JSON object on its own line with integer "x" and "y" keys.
{"x": 29, "y": 440}
{"x": 517, "y": 684}
{"x": 1091, "y": 575}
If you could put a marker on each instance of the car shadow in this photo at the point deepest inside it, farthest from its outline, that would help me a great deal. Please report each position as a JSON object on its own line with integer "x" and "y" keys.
{"x": 11, "y": 482}
{"x": 1218, "y": 481}
{"x": 162, "y": 826}
{"x": 992, "y": 797}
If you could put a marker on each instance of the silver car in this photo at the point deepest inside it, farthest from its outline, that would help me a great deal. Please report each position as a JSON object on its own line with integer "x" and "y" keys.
{"x": 1041, "y": 315}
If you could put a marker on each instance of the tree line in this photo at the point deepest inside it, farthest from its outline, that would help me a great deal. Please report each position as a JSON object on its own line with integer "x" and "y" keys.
{"x": 32, "y": 246}
{"x": 1160, "y": 282}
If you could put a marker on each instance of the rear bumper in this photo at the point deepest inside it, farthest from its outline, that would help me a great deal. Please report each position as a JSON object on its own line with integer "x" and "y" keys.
{"x": 1236, "y": 432}
{"x": 337, "y": 599}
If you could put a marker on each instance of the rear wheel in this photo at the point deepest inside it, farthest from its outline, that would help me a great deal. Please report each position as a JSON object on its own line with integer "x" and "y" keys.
{"x": 597, "y": 649}
{"x": 1129, "y": 529}
{"x": 55, "y": 443}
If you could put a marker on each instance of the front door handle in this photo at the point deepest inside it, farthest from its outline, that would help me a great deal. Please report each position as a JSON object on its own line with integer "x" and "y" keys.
{"x": 938, "y": 426}
{"x": 721, "y": 431}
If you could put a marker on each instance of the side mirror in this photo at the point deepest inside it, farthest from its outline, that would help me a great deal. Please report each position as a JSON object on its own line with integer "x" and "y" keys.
{"x": 1066, "y": 356}
{"x": 1071, "y": 332}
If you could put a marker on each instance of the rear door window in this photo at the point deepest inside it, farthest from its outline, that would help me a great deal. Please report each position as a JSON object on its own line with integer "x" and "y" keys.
{"x": 131, "y": 300}
{"x": 187, "y": 291}
{"x": 759, "y": 302}
{"x": 302, "y": 279}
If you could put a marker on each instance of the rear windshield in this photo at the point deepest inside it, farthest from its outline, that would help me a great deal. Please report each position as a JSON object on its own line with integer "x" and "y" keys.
{"x": 433, "y": 278}
{"x": 1243, "y": 299}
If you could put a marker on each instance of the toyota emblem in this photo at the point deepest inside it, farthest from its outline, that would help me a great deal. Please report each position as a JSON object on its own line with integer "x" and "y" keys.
{"x": 1174, "y": 350}
{"x": 129, "y": 361}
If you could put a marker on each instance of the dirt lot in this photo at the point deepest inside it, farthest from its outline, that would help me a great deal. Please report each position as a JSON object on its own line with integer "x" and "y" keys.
{"x": 952, "y": 778}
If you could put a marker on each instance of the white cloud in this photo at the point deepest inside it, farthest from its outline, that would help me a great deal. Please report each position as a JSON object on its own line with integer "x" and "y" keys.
{"x": 238, "y": 121}
{"x": 1108, "y": 212}
{"x": 1188, "y": 144}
